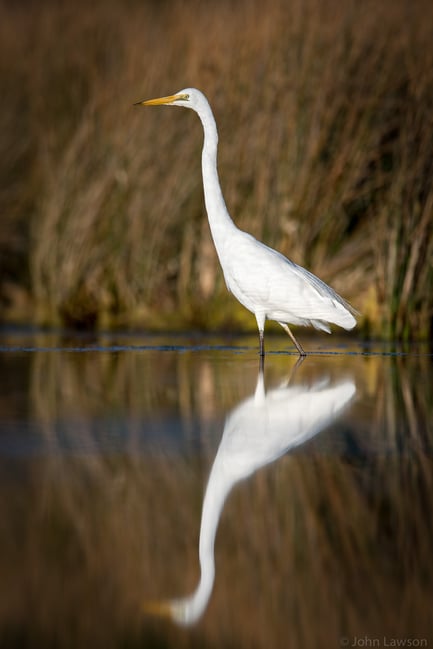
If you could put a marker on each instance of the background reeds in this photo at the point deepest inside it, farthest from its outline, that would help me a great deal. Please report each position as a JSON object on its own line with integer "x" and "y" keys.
{"x": 326, "y": 131}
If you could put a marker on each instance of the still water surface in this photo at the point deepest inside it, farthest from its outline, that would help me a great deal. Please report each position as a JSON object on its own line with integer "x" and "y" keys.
{"x": 167, "y": 492}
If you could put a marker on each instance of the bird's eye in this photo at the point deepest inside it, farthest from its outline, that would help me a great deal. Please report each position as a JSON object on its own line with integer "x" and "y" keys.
{"x": 184, "y": 97}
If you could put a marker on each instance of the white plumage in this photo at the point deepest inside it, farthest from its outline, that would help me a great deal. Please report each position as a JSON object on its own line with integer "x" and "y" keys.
{"x": 263, "y": 280}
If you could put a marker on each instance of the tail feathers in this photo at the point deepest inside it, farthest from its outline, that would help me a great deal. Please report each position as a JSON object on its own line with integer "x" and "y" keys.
{"x": 341, "y": 315}
{"x": 344, "y": 316}
{"x": 349, "y": 322}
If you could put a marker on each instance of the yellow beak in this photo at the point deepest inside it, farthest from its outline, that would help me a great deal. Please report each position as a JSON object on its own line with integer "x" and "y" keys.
{"x": 158, "y": 608}
{"x": 160, "y": 100}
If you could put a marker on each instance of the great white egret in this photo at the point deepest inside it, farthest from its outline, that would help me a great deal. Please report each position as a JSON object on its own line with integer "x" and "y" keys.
{"x": 257, "y": 432}
{"x": 262, "y": 279}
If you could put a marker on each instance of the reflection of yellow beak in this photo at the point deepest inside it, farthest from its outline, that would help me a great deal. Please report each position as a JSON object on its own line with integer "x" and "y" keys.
{"x": 160, "y": 100}
{"x": 159, "y": 608}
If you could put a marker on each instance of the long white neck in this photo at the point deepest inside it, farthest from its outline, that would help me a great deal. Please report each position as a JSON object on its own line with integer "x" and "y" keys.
{"x": 220, "y": 223}
{"x": 189, "y": 609}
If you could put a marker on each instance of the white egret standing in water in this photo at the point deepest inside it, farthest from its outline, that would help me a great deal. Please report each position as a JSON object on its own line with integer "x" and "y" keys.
{"x": 262, "y": 279}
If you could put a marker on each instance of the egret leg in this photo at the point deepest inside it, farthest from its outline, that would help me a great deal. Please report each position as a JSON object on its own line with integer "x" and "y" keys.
{"x": 298, "y": 345}
{"x": 262, "y": 342}
{"x": 260, "y": 319}
{"x": 295, "y": 368}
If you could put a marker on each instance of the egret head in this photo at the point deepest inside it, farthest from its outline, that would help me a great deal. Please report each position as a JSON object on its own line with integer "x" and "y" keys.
{"x": 180, "y": 611}
{"x": 188, "y": 98}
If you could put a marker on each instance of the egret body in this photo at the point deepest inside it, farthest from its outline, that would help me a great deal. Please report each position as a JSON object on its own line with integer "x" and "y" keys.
{"x": 262, "y": 279}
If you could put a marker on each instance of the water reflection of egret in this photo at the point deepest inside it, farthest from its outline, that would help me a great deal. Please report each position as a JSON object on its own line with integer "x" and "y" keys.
{"x": 258, "y": 431}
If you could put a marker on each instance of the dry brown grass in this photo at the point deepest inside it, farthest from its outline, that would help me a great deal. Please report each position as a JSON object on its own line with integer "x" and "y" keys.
{"x": 324, "y": 111}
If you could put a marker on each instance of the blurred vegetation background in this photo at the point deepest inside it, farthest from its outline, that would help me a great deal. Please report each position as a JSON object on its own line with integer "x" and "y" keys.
{"x": 325, "y": 116}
